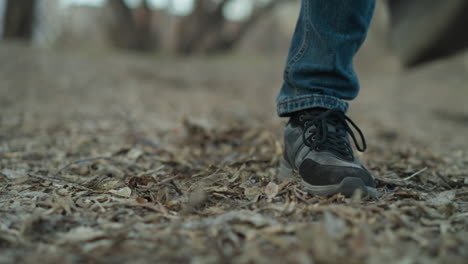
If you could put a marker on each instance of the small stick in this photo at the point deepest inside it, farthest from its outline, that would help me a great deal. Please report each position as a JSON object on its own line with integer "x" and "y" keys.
{"x": 92, "y": 159}
{"x": 46, "y": 178}
{"x": 175, "y": 187}
{"x": 167, "y": 180}
{"x": 74, "y": 184}
{"x": 81, "y": 161}
{"x": 414, "y": 174}
{"x": 300, "y": 197}
{"x": 444, "y": 180}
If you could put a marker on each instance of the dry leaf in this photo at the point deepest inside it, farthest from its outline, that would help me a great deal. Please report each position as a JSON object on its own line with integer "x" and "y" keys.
{"x": 124, "y": 192}
{"x": 80, "y": 234}
{"x": 271, "y": 190}
{"x": 134, "y": 154}
{"x": 442, "y": 198}
{"x": 17, "y": 176}
{"x": 252, "y": 193}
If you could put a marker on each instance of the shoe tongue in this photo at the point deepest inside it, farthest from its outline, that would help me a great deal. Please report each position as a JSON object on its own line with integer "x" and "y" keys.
{"x": 331, "y": 128}
{"x": 315, "y": 111}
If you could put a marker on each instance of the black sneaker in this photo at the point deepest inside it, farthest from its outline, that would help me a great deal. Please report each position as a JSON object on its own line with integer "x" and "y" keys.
{"x": 318, "y": 148}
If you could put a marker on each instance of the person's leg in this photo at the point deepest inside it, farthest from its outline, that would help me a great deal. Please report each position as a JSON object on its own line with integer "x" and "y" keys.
{"x": 319, "y": 70}
{"x": 318, "y": 78}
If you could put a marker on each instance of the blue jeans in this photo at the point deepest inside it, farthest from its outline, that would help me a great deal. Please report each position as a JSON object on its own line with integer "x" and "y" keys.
{"x": 319, "y": 70}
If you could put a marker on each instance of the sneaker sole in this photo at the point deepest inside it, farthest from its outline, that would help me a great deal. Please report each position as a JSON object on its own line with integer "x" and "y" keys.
{"x": 348, "y": 186}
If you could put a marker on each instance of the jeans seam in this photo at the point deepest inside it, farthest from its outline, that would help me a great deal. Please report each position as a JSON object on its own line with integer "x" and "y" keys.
{"x": 300, "y": 53}
{"x": 308, "y": 97}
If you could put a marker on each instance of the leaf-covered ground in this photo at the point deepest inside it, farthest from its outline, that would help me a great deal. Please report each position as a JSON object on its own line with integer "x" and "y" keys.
{"x": 116, "y": 158}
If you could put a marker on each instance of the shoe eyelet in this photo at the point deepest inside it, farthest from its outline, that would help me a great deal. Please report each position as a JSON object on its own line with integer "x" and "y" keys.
{"x": 317, "y": 148}
{"x": 301, "y": 118}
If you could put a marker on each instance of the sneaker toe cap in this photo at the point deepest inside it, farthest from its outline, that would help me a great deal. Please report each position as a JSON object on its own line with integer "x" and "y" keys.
{"x": 318, "y": 174}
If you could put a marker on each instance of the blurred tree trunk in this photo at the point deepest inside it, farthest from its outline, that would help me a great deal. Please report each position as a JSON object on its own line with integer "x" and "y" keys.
{"x": 132, "y": 29}
{"x": 19, "y": 19}
{"x": 425, "y": 30}
{"x": 205, "y": 30}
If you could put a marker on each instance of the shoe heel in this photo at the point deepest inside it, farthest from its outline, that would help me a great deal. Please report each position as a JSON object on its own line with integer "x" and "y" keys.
{"x": 285, "y": 171}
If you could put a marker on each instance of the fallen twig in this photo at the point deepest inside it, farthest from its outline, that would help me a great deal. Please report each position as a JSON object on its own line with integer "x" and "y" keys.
{"x": 81, "y": 161}
{"x": 66, "y": 181}
{"x": 447, "y": 184}
{"x": 47, "y": 178}
{"x": 93, "y": 159}
{"x": 415, "y": 174}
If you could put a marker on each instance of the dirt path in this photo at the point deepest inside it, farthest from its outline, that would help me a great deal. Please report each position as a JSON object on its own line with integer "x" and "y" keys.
{"x": 116, "y": 158}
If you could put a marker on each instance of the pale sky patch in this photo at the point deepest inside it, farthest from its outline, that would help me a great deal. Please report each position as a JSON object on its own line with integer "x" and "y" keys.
{"x": 236, "y": 10}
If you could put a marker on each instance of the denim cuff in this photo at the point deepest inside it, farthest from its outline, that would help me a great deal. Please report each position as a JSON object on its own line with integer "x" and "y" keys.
{"x": 289, "y": 105}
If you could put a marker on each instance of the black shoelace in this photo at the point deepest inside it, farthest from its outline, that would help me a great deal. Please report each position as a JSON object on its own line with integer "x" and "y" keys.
{"x": 318, "y": 136}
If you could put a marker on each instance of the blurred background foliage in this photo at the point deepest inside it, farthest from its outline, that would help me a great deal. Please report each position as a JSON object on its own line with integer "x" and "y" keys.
{"x": 417, "y": 30}
{"x": 176, "y": 26}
